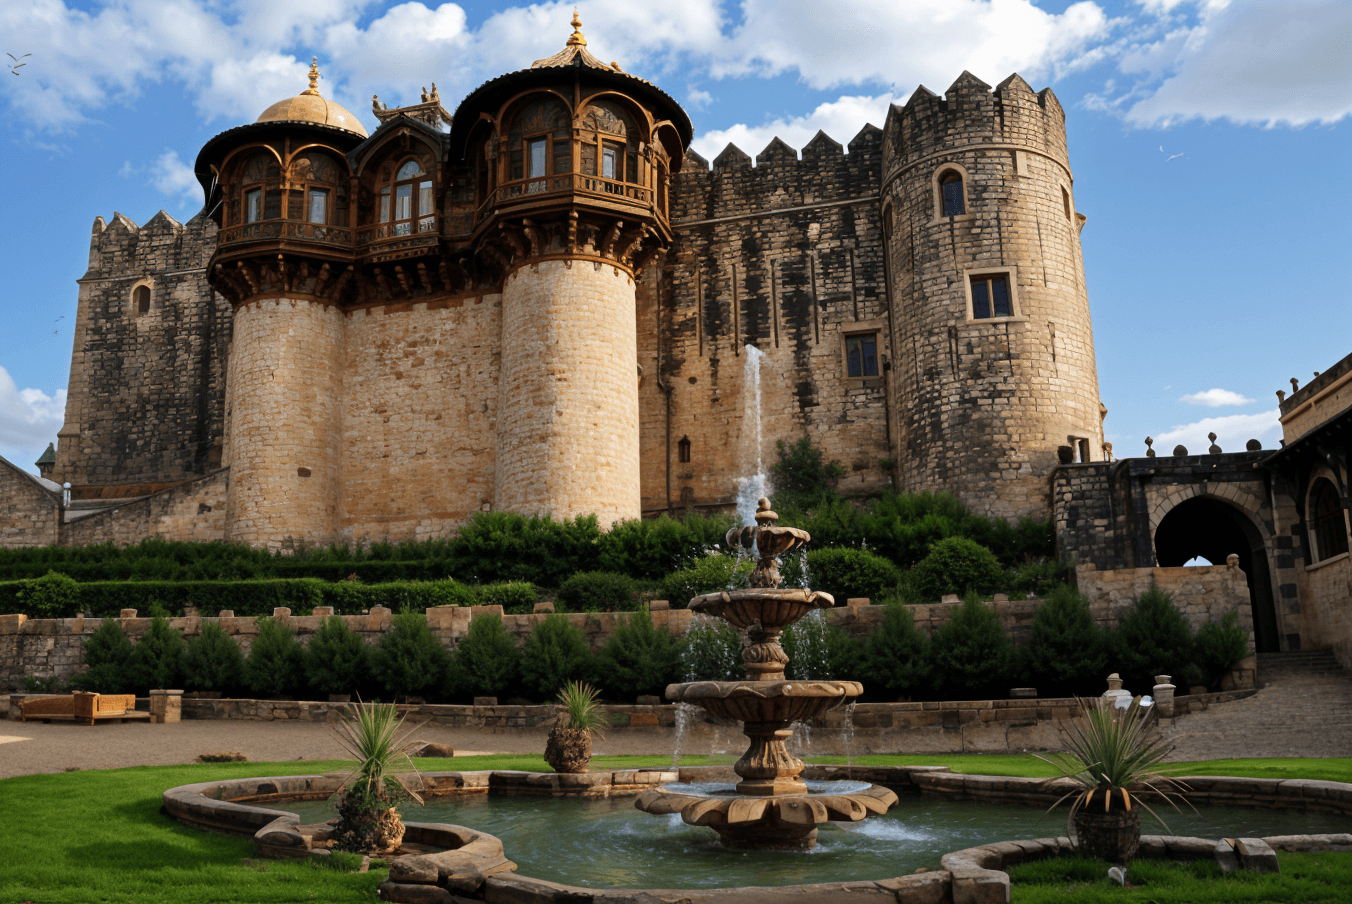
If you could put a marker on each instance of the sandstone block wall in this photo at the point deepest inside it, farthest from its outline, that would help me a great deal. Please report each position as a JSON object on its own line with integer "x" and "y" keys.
{"x": 567, "y": 411}
{"x": 786, "y": 256}
{"x": 1202, "y": 593}
{"x": 146, "y": 398}
{"x": 983, "y": 404}
{"x": 1324, "y": 397}
{"x": 192, "y": 512}
{"x": 30, "y": 514}
{"x": 418, "y": 417}
{"x": 284, "y": 434}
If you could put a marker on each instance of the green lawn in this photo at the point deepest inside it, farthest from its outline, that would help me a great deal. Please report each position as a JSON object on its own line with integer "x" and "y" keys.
{"x": 1303, "y": 878}
{"x": 99, "y": 836}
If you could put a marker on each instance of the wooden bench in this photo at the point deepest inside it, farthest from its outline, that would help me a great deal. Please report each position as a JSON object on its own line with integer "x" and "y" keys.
{"x": 81, "y": 706}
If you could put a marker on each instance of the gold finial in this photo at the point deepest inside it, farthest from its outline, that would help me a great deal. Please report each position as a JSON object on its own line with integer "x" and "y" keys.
{"x": 576, "y": 38}
{"x": 314, "y": 77}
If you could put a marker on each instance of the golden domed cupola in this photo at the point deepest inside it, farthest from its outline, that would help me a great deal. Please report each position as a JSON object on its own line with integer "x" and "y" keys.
{"x": 310, "y": 106}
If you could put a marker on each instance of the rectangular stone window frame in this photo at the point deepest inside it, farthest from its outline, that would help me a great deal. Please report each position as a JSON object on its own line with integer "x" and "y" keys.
{"x": 1016, "y": 309}
{"x": 861, "y": 329}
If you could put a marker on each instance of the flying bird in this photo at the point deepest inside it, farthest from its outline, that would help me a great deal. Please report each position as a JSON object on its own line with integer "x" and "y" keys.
{"x": 1171, "y": 157}
{"x": 16, "y": 65}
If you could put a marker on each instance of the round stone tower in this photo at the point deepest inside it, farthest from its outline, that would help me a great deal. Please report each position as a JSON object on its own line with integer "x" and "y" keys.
{"x": 995, "y": 380}
{"x": 282, "y": 184}
{"x": 573, "y": 159}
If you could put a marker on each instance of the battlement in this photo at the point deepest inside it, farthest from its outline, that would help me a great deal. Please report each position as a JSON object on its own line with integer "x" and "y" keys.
{"x": 972, "y": 113}
{"x": 780, "y": 176}
{"x": 122, "y": 249}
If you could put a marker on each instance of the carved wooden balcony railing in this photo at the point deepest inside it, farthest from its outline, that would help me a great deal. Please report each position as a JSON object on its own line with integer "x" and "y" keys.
{"x": 286, "y": 230}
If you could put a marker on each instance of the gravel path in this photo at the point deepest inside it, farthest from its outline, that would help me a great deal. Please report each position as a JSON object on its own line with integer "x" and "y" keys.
{"x": 33, "y": 747}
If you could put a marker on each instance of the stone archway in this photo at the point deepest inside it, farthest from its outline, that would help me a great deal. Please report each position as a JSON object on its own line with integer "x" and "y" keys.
{"x": 1213, "y": 529}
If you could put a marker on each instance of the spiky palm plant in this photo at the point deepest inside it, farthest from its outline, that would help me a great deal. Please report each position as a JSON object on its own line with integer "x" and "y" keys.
{"x": 368, "y": 816}
{"x": 1114, "y": 755}
{"x": 568, "y": 748}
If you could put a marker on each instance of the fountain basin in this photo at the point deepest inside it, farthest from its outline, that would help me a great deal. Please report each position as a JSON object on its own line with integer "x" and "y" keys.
{"x": 765, "y": 701}
{"x": 772, "y": 822}
{"x": 770, "y": 608}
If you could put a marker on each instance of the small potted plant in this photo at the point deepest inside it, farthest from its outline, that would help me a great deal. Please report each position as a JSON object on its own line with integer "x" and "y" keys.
{"x": 569, "y": 746}
{"x": 1112, "y": 753}
{"x": 368, "y": 815}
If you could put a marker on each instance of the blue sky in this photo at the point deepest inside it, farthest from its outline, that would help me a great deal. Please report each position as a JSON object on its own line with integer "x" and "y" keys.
{"x": 1209, "y": 141}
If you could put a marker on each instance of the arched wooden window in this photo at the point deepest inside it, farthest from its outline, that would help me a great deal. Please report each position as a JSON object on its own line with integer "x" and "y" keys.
{"x": 260, "y": 189}
{"x": 1326, "y": 517}
{"x": 406, "y": 200}
{"x": 320, "y": 197}
{"x": 539, "y": 145}
{"x": 609, "y": 148}
{"x": 951, "y": 196}
{"x": 141, "y": 300}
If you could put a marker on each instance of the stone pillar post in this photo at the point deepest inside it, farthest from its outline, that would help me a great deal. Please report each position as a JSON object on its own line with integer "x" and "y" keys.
{"x": 1163, "y": 693}
{"x": 166, "y": 706}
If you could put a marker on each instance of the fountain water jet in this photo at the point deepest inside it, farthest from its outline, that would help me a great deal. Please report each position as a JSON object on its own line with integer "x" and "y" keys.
{"x": 771, "y": 807}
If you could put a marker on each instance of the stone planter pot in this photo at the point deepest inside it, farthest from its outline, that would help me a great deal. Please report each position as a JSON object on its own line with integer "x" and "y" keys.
{"x": 568, "y": 749}
{"x": 1113, "y": 836}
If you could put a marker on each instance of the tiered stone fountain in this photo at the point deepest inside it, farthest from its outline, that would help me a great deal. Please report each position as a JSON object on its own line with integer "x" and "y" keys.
{"x": 771, "y": 807}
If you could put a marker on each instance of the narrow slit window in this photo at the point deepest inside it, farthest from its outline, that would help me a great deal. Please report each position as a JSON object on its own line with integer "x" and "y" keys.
{"x": 861, "y": 355}
{"x": 384, "y": 205}
{"x": 253, "y": 205}
{"x": 950, "y": 184}
{"x": 142, "y": 298}
{"x": 426, "y": 222}
{"x": 1330, "y": 528}
{"x": 537, "y": 159}
{"x": 683, "y": 450}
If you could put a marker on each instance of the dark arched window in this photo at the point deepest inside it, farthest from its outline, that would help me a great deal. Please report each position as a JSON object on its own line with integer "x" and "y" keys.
{"x": 406, "y": 200}
{"x": 950, "y": 188}
{"x": 683, "y": 450}
{"x": 539, "y": 145}
{"x": 1326, "y": 517}
{"x": 141, "y": 298}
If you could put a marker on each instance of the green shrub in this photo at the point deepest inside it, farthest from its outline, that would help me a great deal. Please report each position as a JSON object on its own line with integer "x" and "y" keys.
{"x": 1066, "y": 653}
{"x": 1218, "y": 647}
{"x": 709, "y": 574}
{"x": 851, "y": 573}
{"x": 276, "y": 663}
{"x": 213, "y": 662}
{"x": 337, "y": 660}
{"x": 555, "y": 654}
{"x": 355, "y": 597}
{"x": 711, "y": 650}
{"x": 487, "y": 663}
{"x": 598, "y": 591}
{"x": 1153, "y": 638}
{"x": 801, "y": 477}
{"x": 54, "y": 595}
{"x": 820, "y": 650}
{"x": 515, "y": 597}
{"x": 1039, "y": 578}
{"x": 408, "y": 660}
{"x": 972, "y": 655}
{"x": 896, "y": 657}
{"x": 957, "y": 565}
{"x": 157, "y": 660}
{"x": 495, "y": 547}
{"x": 649, "y": 548}
{"x": 107, "y": 653}
{"x": 639, "y": 659}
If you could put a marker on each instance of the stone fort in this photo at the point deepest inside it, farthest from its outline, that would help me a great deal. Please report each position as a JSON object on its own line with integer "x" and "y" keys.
{"x": 548, "y": 303}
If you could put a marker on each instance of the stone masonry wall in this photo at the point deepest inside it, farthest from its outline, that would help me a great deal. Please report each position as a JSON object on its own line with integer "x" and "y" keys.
{"x": 30, "y": 514}
{"x": 52, "y": 647}
{"x": 193, "y": 512}
{"x": 419, "y": 411}
{"x": 786, "y": 256}
{"x": 145, "y": 407}
{"x": 984, "y": 404}
{"x": 286, "y": 399}
{"x": 567, "y": 415}
{"x": 1325, "y": 396}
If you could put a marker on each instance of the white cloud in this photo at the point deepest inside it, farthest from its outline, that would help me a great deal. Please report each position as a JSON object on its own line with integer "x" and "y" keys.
{"x": 1252, "y": 62}
{"x": 1215, "y": 398}
{"x": 29, "y": 419}
{"x": 841, "y": 119}
{"x": 1232, "y": 433}
{"x": 175, "y": 178}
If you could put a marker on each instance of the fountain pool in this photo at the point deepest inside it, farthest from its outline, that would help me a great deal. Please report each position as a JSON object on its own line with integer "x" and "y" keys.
{"x": 605, "y": 843}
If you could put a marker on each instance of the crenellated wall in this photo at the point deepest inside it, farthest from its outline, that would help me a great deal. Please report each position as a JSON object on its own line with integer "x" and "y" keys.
{"x": 145, "y": 407}
{"x": 984, "y": 403}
